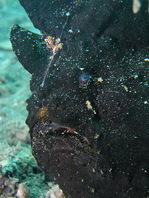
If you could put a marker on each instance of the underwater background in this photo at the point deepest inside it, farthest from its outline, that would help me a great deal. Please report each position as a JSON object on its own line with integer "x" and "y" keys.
{"x": 19, "y": 175}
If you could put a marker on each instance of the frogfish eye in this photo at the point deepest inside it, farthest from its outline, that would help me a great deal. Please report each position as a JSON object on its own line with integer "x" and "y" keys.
{"x": 84, "y": 79}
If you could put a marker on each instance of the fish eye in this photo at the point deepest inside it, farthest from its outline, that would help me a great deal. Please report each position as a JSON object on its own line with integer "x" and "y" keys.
{"x": 84, "y": 79}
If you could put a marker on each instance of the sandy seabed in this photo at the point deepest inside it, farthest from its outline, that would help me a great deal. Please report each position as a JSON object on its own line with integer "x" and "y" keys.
{"x": 19, "y": 174}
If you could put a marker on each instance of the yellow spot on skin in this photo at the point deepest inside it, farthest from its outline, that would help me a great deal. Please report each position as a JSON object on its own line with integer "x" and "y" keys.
{"x": 126, "y": 88}
{"x": 89, "y": 106}
{"x": 92, "y": 190}
{"x": 91, "y": 150}
{"x": 42, "y": 113}
{"x": 100, "y": 80}
{"x": 96, "y": 136}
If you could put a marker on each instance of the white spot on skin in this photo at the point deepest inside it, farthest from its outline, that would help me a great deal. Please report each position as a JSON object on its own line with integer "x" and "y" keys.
{"x": 136, "y": 6}
{"x": 81, "y": 68}
{"x": 135, "y": 76}
{"x": 67, "y": 13}
{"x": 70, "y": 31}
{"x": 146, "y": 59}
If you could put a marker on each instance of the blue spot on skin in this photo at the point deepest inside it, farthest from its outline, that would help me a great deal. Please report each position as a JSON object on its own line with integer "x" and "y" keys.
{"x": 84, "y": 79}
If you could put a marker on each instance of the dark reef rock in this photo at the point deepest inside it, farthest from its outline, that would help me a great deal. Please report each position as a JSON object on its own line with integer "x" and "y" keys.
{"x": 89, "y": 127}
